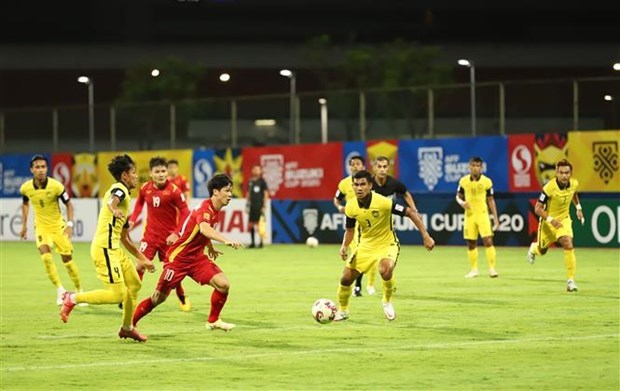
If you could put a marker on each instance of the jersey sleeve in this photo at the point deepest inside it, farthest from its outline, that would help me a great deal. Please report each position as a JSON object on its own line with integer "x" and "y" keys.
{"x": 398, "y": 209}
{"x": 185, "y": 184}
{"x": 349, "y": 222}
{"x": 181, "y": 204}
{"x": 22, "y": 191}
{"x": 137, "y": 209}
{"x": 203, "y": 216}
{"x": 489, "y": 187}
{"x": 543, "y": 198}
{"x": 118, "y": 192}
{"x": 460, "y": 190}
{"x": 399, "y": 187}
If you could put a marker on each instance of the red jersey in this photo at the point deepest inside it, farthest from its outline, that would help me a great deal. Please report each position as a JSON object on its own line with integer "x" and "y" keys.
{"x": 191, "y": 245}
{"x": 181, "y": 182}
{"x": 166, "y": 209}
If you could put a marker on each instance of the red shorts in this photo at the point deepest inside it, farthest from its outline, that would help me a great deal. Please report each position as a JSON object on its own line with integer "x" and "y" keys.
{"x": 200, "y": 270}
{"x": 151, "y": 247}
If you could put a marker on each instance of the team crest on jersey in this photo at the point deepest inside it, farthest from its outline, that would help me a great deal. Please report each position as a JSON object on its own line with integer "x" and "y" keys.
{"x": 430, "y": 161}
{"x": 605, "y": 154}
{"x": 375, "y": 213}
{"x": 311, "y": 220}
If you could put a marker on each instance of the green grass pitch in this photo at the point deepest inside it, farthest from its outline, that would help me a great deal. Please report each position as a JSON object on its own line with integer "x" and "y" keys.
{"x": 521, "y": 331}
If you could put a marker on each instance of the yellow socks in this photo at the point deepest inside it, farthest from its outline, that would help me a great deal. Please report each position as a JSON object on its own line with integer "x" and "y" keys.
{"x": 50, "y": 268}
{"x": 472, "y": 255}
{"x": 534, "y": 249}
{"x": 388, "y": 289}
{"x": 344, "y": 293}
{"x": 570, "y": 262}
{"x": 372, "y": 274}
{"x": 491, "y": 256}
{"x": 72, "y": 269}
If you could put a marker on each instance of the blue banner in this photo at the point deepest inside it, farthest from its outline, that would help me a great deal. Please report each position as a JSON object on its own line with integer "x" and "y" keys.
{"x": 438, "y": 165}
{"x": 15, "y": 170}
{"x": 295, "y": 221}
{"x": 350, "y": 149}
{"x": 203, "y": 165}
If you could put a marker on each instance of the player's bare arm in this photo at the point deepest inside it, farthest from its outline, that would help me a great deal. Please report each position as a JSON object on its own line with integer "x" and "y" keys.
{"x": 429, "y": 243}
{"x": 25, "y": 210}
{"x": 493, "y": 207}
{"x": 346, "y": 241}
{"x": 207, "y": 230}
{"x": 460, "y": 199}
{"x": 143, "y": 261}
{"x": 70, "y": 214}
{"x": 409, "y": 200}
{"x": 579, "y": 209}
{"x": 540, "y": 211}
{"x": 113, "y": 207}
{"x": 337, "y": 205}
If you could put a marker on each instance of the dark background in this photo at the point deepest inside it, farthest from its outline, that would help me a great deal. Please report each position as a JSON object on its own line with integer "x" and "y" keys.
{"x": 46, "y": 45}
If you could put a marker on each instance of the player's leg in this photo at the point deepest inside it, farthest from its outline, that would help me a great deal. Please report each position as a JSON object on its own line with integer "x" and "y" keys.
{"x": 386, "y": 269}
{"x": 44, "y": 245}
{"x": 372, "y": 276}
{"x": 565, "y": 235}
{"x": 470, "y": 234}
{"x": 148, "y": 249}
{"x": 358, "y": 285}
{"x": 168, "y": 279}
{"x": 350, "y": 273}
{"x": 64, "y": 247}
{"x": 206, "y": 272}
{"x": 254, "y": 216}
{"x": 486, "y": 233}
{"x": 184, "y": 302}
{"x": 545, "y": 235}
{"x": 262, "y": 230}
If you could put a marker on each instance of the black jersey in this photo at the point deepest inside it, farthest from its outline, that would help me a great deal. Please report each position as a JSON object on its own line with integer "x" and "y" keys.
{"x": 391, "y": 187}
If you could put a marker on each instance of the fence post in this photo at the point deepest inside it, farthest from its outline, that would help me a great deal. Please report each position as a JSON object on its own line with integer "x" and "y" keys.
{"x": 431, "y": 112}
{"x": 362, "y": 101}
{"x": 502, "y": 109}
{"x": 173, "y": 126}
{"x": 297, "y": 119}
{"x": 233, "y": 123}
{"x": 575, "y": 105}
{"x": 112, "y": 128}
{"x": 55, "y": 130}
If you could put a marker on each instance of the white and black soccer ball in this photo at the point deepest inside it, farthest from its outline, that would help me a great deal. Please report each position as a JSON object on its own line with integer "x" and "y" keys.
{"x": 312, "y": 242}
{"x": 324, "y": 311}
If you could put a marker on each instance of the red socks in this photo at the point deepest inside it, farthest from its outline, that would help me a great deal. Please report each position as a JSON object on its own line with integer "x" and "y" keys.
{"x": 142, "y": 310}
{"x": 218, "y": 299}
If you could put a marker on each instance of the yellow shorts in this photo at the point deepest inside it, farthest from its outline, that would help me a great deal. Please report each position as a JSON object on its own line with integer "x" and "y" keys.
{"x": 113, "y": 265}
{"x": 54, "y": 239}
{"x": 548, "y": 234}
{"x": 363, "y": 259}
{"x": 477, "y": 224}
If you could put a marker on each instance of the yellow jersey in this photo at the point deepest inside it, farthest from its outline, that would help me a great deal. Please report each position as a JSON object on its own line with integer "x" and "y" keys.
{"x": 374, "y": 221}
{"x": 44, "y": 202}
{"x": 556, "y": 199}
{"x": 345, "y": 189}
{"x": 109, "y": 227}
{"x": 476, "y": 193}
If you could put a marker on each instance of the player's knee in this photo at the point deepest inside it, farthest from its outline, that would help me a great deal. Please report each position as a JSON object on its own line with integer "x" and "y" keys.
{"x": 158, "y": 297}
{"x": 134, "y": 286}
{"x": 119, "y": 292}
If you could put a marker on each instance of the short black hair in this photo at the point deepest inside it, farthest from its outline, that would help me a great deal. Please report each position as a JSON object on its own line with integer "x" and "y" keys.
{"x": 363, "y": 174}
{"x": 476, "y": 159}
{"x": 120, "y": 164}
{"x": 357, "y": 157}
{"x": 157, "y": 161}
{"x": 218, "y": 182}
{"x": 173, "y": 161}
{"x": 38, "y": 157}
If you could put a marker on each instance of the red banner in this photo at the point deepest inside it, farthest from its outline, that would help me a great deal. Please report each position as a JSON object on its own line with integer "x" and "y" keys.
{"x": 522, "y": 164}
{"x": 62, "y": 165}
{"x": 308, "y": 172}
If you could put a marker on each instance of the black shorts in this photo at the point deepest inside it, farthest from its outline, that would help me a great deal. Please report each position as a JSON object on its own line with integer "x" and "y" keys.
{"x": 255, "y": 213}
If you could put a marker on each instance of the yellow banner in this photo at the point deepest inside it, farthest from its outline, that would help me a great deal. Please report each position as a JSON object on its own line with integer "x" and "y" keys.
{"x": 594, "y": 155}
{"x": 141, "y": 159}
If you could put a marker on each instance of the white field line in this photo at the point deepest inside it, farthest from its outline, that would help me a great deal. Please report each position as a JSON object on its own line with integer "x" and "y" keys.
{"x": 238, "y": 357}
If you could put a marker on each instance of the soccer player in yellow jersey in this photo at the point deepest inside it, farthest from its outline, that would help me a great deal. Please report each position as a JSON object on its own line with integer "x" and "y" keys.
{"x": 345, "y": 192}
{"x": 49, "y": 227}
{"x": 372, "y": 213}
{"x": 475, "y": 191}
{"x": 555, "y": 224}
{"x": 114, "y": 268}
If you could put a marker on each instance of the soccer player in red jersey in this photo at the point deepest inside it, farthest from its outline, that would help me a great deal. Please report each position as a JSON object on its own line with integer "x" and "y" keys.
{"x": 166, "y": 208}
{"x": 186, "y": 256}
{"x": 179, "y": 180}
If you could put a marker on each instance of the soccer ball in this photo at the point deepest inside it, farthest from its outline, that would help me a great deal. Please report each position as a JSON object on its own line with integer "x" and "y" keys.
{"x": 324, "y": 311}
{"x": 312, "y": 242}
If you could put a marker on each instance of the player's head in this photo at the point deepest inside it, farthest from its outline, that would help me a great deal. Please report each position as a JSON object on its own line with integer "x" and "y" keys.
{"x": 38, "y": 167}
{"x": 475, "y": 166}
{"x": 123, "y": 170}
{"x": 381, "y": 167}
{"x": 563, "y": 171}
{"x": 173, "y": 167}
{"x": 356, "y": 163}
{"x": 362, "y": 184}
{"x": 257, "y": 170}
{"x": 158, "y": 167}
{"x": 220, "y": 189}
